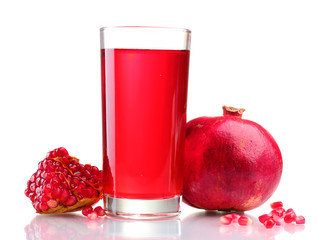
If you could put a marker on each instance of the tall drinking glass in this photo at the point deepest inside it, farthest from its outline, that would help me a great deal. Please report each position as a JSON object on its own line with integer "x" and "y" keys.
{"x": 144, "y": 102}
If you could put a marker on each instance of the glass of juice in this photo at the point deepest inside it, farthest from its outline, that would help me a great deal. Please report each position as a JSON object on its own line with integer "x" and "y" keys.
{"x": 144, "y": 101}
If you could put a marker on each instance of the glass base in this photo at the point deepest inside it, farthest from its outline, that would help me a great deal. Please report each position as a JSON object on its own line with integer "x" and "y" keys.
{"x": 142, "y": 208}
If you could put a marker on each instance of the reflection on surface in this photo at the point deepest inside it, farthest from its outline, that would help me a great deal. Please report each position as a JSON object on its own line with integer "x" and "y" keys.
{"x": 206, "y": 225}
{"x": 145, "y": 229}
{"x": 63, "y": 226}
{"x": 200, "y": 225}
{"x": 72, "y": 226}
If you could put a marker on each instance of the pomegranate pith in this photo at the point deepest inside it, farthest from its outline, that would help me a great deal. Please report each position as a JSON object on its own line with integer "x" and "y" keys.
{"x": 62, "y": 184}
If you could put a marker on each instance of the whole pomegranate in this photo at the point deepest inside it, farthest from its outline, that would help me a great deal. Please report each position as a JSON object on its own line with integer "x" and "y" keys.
{"x": 230, "y": 163}
{"x": 62, "y": 184}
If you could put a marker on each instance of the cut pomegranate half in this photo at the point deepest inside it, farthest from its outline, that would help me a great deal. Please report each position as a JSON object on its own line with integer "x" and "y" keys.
{"x": 62, "y": 184}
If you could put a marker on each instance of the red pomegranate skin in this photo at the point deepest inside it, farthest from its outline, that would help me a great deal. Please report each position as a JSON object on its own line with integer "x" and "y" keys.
{"x": 230, "y": 163}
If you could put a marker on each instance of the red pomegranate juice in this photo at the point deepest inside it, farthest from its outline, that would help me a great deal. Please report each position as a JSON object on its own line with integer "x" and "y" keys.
{"x": 144, "y": 98}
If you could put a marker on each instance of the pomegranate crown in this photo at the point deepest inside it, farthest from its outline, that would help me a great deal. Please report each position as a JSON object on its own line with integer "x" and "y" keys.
{"x": 232, "y": 111}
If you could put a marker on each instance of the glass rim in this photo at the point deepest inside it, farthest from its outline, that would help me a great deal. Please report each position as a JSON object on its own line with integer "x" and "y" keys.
{"x": 186, "y": 30}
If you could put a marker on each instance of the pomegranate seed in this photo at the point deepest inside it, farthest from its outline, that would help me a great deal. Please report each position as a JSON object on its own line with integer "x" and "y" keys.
{"x": 27, "y": 192}
{"x": 94, "y": 170}
{"x": 37, "y": 205}
{"x": 33, "y": 178}
{"x": 38, "y": 173}
{"x": 87, "y": 210}
{"x": 225, "y": 220}
{"x": 275, "y": 205}
{"x": 93, "y": 179}
{"x": 32, "y": 196}
{"x": 38, "y": 181}
{"x": 92, "y": 216}
{"x": 264, "y": 217}
{"x": 55, "y": 181}
{"x": 32, "y": 187}
{"x": 66, "y": 161}
{"x": 300, "y": 220}
{"x": 44, "y": 198}
{"x": 64, "y": 184}
{"x": 50, "y": 155}
{"x": 38, "y": 190}
{"x": 278, "y": 212}
{"x": 56, "y": 193}
{"x": 52, "y": 203}
{"x": 244, "y": 220}
{"x": 71, "y": 201}
{"x": 76, "y": 180}
{"x": 289, "y": 211}
{"x": 87, "y": 174}
{"x": 64, "y": 195}
{"x": 100, "y": 211}
{"x": 44, "y": 206}
{"x": 278, "y": 220}
{"x": 235, "y": 217}
{"x": 290, "y": 217}
{"x": 43, "y": 175}
{"x": 95, "y": 193}
{"x": 89, "y": 191}
{"x": 61, "y": 152}
{"x": 40, "y": 165}
{"x": 269, "y": 223}
{"x": 61, "y": 177}
{"x": 51, "y": 168}
{"x": 72, "y": 167}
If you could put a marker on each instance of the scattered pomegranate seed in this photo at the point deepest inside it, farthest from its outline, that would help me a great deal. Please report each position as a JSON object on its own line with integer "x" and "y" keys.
{"x": 278, "y": 215}
{"x": 289, "y": 210}
{"x": 226, "y": 219}
{"x": 269, "y": 223}
{"x": 264, "y": 217}
{"x": 235, "y": 217}
{"x": 275, "y": 205}
{"x": 87, "y": 210}
{"x": 277, "y": 219}
{"x": 300, "y": 220}
{"x": 92, "y": 216}
{"x": 244, "y": 220}
{"x": 100, "y": 211}
{"x": 290, "y": 217}
{"x": 278, "y": 212}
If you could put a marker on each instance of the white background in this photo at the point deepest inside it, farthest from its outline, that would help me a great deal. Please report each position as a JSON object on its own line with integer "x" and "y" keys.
{"x": 274, "y": 58}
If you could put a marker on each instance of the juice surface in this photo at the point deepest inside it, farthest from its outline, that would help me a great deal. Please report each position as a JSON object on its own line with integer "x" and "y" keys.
{"x": 144, "y": 99}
